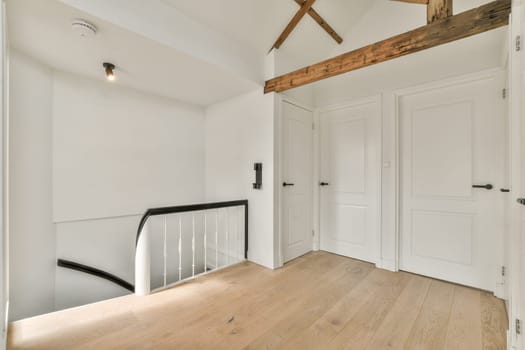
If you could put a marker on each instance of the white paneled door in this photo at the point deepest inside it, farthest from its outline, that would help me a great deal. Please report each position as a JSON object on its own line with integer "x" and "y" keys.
{"x": 350, "y": 180}
{"x": 297, "y": 141}
{"x": 452, "y": 152}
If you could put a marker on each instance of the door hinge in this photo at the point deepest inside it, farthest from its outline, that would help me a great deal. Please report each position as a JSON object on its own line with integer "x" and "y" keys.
{"x": 503, "y": 271}
{"x": 518, "y": 326}
{"x": 313, "y": 233}
{"x": 504, "y": 93}
{"x": 313, "y": 126}
{"x": 518, "y": 43}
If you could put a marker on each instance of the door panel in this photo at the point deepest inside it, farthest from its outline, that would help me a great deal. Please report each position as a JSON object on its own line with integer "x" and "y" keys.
{"x": 442, "y": 168}
{"x": 297, "y": 170}
{"x": 350, "y": 161}
{"x": 451, "y": 139}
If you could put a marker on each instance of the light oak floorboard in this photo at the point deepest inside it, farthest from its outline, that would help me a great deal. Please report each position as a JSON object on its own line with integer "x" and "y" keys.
{"x": 395, "y": 329}
{"x": 430, "y": 328}
{"x": 318, "y": 301}
{"x": 493, "y": 322}
{"x": 464, "y": 326}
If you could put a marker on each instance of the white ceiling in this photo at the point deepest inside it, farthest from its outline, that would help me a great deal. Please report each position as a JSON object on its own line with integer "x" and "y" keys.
{"x": 257, "y": 24}
{"x": 42, "y": 29}
{"x": 205, "y": 51}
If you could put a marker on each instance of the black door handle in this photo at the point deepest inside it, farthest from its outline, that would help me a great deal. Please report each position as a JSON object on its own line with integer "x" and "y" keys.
{"x": 521, "y": 201}
{"x": 505, "y": 190}
{"x": 323, "y": 184}
{"x": 487, "y": 186}
{"x": 287, "y": 184}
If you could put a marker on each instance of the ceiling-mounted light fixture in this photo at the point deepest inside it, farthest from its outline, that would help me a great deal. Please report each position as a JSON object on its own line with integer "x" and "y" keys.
{"x": 109, "y": 67}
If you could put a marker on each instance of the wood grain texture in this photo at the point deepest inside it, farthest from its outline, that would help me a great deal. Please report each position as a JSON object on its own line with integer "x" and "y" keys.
{"x": 438, "y": 10}
{"x": 318, "y": 301}
{"x": 395, "y": 329}
{"x": 293, "y": 23}
{"x": 494, "y": 321}
{"x": 487, "y": 17}
{"x": 430, "y": 328}
{"x": 464, "y": 326}
{"x": 320, "y": 20}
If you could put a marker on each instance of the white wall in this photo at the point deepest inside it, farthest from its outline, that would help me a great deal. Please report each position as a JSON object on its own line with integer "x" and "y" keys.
{"x": 117, "y": 151}
{"x": 32, "y": 232}
{"x": 239, "y": 133}
{"x": 102, "y": 155}
{"x": 107, "y": 244}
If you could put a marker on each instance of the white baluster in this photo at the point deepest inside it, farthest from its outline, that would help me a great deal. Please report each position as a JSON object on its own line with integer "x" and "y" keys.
{"x": 143, "y": 263}
{"x": 193, "y": 246}
{"x": 180, "y": 247}
{"x": 227, "y": 236}
{"x": 217, "y": 239}
{"x": 165, "y": 249}
{"x": 238, "y": 233}
{"x": 205, "y": 239}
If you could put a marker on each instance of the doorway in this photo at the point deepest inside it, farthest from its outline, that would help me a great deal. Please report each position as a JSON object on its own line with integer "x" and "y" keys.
{"x": 452, "y": 146}
{"x": 297, "y": 174}
{"x": 350, "y": 180}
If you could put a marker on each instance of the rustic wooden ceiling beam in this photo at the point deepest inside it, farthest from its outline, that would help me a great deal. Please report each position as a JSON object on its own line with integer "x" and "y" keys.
{"x": 320, "y": 20}
{"x": 293, "y": 23}
{"x": 438, "y": 10}
{"x": 484, "y": 18}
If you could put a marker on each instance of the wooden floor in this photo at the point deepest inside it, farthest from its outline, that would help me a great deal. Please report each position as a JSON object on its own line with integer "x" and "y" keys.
{"x": 319, "y": 301}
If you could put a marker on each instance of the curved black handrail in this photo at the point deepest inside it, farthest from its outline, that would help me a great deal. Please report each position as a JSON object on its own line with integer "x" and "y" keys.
{"x": 198, "y": 207}
{"x": 95, "y": 272}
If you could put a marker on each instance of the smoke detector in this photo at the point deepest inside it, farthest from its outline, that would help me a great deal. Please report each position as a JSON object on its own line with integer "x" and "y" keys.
{"x": 83, "y": 28}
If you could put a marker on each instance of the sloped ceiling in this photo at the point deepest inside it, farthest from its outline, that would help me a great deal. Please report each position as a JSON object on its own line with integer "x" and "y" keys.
{"x": 256, "y": 24}
{"x": 206, "y": 51}
{"x": 42, "y": 30}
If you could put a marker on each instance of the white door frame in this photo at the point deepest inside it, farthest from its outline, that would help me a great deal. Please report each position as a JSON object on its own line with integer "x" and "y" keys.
{"x": 390, "y": 258}
{"x": 278, "y": 172}
{"x": 377, "y": 100}
{"x": 516, "y": 279}
{"x": 4, "y": 175}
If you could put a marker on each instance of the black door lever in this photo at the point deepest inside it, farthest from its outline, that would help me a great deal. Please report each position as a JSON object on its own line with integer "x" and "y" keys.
{"x": 487, "y": 186}
{"x": 287, "y": 184}
{"x": 323, "y": 184}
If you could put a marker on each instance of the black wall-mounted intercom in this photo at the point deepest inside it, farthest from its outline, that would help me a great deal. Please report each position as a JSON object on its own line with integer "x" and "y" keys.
{"x": 258, "y": 176}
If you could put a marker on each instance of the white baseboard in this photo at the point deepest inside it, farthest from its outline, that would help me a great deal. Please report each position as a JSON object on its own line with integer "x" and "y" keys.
{"x": 387, "y": 264}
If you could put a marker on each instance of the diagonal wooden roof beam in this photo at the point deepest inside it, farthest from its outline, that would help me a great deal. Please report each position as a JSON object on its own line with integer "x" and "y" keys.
{"x": 478, "y": 20}
{"x": 320, "y": 20}
{"x": 293, "y": 23}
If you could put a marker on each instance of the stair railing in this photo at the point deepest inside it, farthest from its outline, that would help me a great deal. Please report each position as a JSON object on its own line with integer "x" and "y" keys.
{"x": 220, "y": 221}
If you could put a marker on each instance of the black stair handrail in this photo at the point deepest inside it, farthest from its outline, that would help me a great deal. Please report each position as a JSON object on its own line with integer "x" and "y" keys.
{"x": 155, "y": 212}
{"x": 197, "y": 207}
{"x": 95, "y": 272}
